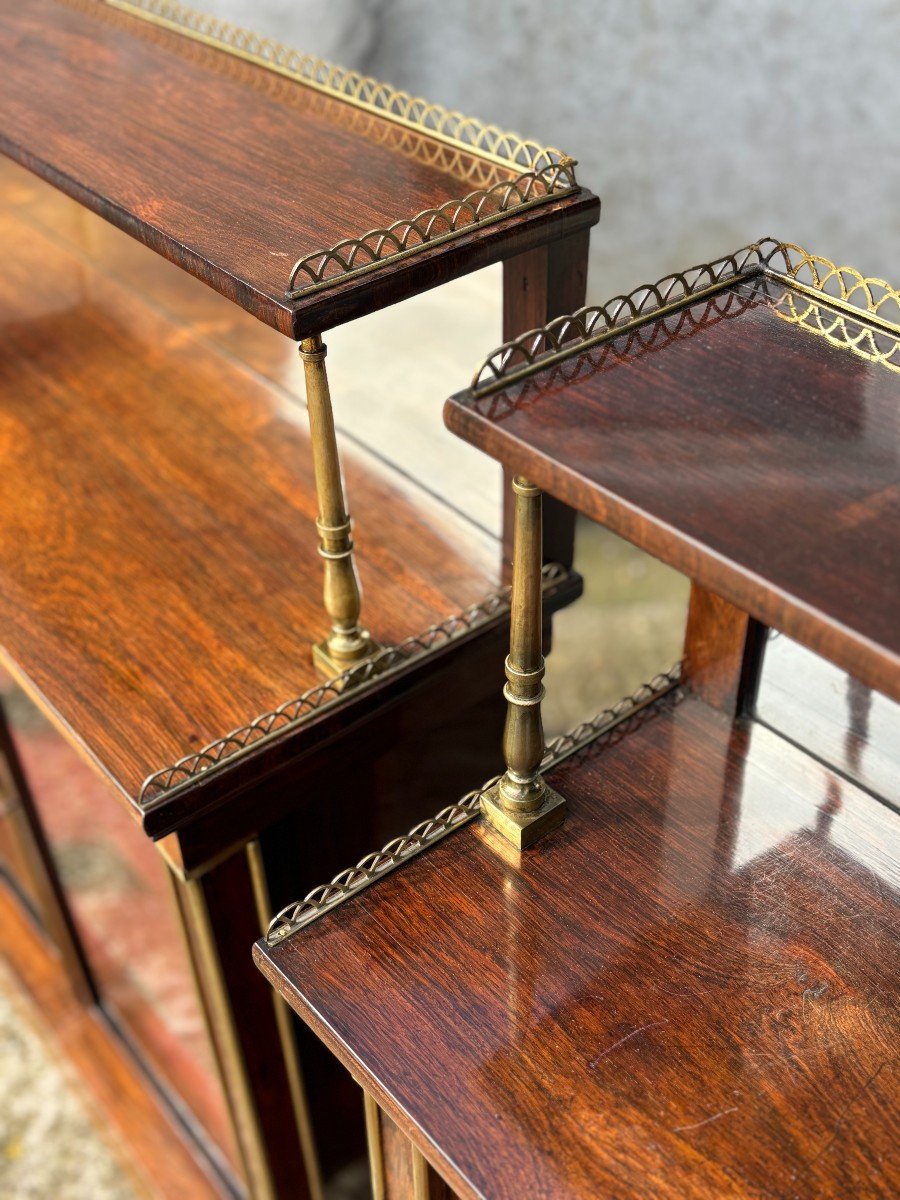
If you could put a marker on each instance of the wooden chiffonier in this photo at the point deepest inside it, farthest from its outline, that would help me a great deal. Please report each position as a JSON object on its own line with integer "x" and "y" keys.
{"x": 181, "y": 621}
{"x": 658, "y": 957}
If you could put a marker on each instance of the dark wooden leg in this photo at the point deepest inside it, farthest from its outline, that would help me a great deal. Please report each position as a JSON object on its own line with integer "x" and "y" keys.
{"x": 398, "y": 1171}
{"x": 42, "y": 877}
{"x": 539, "y": 285}
{"x": 224, "y": 911}
{"x": 723, "y": 652}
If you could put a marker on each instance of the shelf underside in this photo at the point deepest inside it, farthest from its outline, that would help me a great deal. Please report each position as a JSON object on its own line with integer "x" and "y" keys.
{"x": 159, "y": 580}
{"x": 736, "y": 443}
{"x": 689, "y": 990}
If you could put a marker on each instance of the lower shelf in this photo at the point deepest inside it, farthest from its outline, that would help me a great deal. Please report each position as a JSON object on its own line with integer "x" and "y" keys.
{"x": 685, "y": 991}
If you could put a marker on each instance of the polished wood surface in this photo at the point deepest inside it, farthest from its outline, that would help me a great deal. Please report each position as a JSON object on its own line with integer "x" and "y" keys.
{"x": 746, "y": 451}
{"x": 159, "y": 581}
{"x": 827, "y": 712}
{"x": 230, "y": 170}
{"x": 689, "y": 990}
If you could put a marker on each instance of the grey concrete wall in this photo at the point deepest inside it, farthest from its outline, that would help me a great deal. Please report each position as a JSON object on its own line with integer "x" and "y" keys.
{"x": 702, "y": 124}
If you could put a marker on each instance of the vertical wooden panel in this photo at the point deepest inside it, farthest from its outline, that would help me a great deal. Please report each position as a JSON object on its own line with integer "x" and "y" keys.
{"x": 537, "y": 286}
{"x": 723, "y": 652}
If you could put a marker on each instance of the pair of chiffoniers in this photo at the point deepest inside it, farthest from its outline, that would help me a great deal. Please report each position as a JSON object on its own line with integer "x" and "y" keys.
{"x": 654, "y": 957}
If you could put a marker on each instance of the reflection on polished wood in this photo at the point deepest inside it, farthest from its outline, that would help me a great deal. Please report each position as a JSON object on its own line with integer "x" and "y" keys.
{"x": 756, "y": 457}
{"x": 169, "y": 140}
{"x": 688, "y": 990}
{"x": 832, "y": 715}
{"x": 177, "y": 591}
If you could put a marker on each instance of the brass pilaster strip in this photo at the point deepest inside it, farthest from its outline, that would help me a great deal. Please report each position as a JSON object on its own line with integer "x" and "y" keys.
{"x": 376, "y": 1151}
{"x": 230, "y": 1056}
{"x": 286, "y": 1038}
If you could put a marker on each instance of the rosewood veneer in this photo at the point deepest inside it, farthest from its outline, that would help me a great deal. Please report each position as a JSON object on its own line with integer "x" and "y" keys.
{"x": 689, "y": 988}
{"x": 164, "y": 607}
{"x": 234, "y": 157}
{"x": 747, "y": 435}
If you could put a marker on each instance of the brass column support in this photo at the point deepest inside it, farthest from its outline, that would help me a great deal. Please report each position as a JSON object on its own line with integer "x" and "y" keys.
{"x": 521, "y": 806}
{"x": 348, "y": 643}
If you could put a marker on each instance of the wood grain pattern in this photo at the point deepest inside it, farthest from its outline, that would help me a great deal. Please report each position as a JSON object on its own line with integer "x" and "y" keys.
{"x": 723, "y": 652}
{"x": 227, "y": 169}
{"x": 755, "y": 457}
{"x": 689, "y": 990}
{"x": 159, "y": 581}
{"x": 547, "y": 282}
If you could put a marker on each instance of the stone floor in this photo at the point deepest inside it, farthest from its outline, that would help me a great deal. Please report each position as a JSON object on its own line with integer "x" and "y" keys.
{"x": 50, "y": 1144}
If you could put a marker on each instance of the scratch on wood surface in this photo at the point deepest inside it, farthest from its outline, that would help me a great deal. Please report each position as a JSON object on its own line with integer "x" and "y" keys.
{"x": 626, "y": 1038}
{"x": 706, "y": 1120}
{"x": 843, "y": 1116}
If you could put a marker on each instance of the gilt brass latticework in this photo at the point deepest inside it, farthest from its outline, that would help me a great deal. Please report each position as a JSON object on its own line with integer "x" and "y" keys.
{"x": 534, "y": 174}
{"x": 864, "y": 313}
{"x": 373, "y": 867}
{"x": 489, "y": 141}
{"x": 164, "y": 784}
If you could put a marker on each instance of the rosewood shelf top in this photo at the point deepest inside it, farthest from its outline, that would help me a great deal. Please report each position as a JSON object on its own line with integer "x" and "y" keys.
{"x": 689, "y": 990}
{"x": 159, "y": 580}
{"x": 749, "y": 435}
{"x": 234, "y": 157}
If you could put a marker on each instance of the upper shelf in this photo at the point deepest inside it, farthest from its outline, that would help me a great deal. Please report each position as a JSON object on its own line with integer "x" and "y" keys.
{"x": 683, "y": 992}
{"x": 305, "y": 193}
{"x": 160, "y": 586}
{"x": 740, "y": 421}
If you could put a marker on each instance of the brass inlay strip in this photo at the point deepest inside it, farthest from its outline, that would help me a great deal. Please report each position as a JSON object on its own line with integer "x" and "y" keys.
{"x": 568, "y": 336}
{"x": 375, "y": 866}
{"x": 162, "y": 785}
{"x": 284, "y": 1025}
{"x": 376, "y": 1151}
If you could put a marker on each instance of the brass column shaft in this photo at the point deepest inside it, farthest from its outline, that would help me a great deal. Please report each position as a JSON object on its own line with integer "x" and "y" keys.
{"x": 347, "y": 643}
{"x": 521, "y": 806}
{"x": 521, "y": 788}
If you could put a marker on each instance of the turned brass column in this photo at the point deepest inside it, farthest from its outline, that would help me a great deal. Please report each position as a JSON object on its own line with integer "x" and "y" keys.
{"x": 348, "y": 643}
{"x": 521, "y": 806}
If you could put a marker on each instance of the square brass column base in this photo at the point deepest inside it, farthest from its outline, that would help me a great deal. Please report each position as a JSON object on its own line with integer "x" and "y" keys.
{"x": 523, "y": 829}
{"x": 330, "y": 666}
